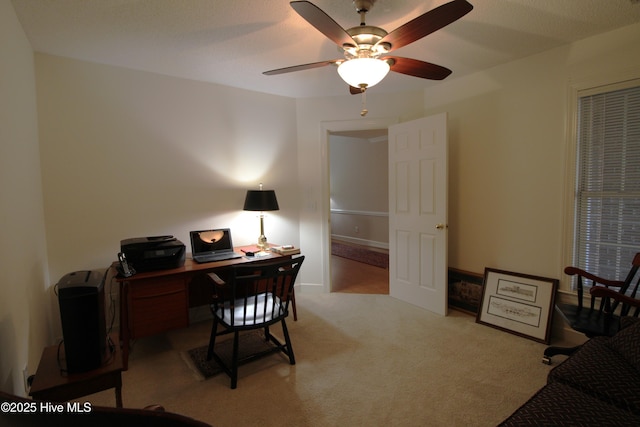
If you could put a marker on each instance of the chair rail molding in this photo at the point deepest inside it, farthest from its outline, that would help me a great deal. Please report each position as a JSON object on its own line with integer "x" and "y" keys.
{"x": 355, "y": 212}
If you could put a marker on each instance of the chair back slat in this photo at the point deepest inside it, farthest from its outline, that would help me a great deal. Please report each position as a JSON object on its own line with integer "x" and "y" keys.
{"x": 634, "y": 291}
{"x": 259, "y": 293}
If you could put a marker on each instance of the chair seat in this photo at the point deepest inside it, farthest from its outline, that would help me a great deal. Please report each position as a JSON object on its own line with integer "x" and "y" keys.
{"x": 592, "y": 323}
{"x": 262, "y": 309}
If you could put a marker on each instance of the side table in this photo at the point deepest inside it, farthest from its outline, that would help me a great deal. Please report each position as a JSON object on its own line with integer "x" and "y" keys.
{"x": 51, "y": 384}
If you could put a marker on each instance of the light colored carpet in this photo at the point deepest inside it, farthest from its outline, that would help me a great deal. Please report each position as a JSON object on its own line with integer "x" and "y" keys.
{"x": 362, "y": 360}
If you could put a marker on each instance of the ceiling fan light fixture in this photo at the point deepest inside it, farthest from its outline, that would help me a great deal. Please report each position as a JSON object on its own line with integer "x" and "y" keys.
{"x": 363, "y": 71}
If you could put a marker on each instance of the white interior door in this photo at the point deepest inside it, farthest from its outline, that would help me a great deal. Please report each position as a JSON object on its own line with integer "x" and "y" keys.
{"x": 418, "y": 212}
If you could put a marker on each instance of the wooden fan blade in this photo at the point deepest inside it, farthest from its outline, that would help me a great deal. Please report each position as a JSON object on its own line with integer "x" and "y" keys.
{"x": 427, "y": 23}
{"x": 301, "y": 67}
{"x": 416, "y": 68}
{"x": 323, "y": 22}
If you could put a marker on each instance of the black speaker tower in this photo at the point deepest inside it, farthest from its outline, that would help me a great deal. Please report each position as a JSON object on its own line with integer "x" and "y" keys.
{"x": 81, "y": 299}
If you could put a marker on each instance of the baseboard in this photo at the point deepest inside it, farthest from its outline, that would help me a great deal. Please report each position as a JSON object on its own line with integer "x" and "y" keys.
{"x": 361, "y": 242}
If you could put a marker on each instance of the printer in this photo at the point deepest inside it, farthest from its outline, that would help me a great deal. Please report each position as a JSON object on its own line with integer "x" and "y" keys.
{"x": 153, "y": 253}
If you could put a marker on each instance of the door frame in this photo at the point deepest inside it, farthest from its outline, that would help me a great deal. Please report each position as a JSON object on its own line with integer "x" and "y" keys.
{"x": 326, "y": 128}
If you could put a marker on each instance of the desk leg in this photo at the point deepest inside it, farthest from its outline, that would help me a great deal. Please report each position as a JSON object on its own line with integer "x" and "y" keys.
{"x": 124, "y": 324}
{"x": 118, "y": 386}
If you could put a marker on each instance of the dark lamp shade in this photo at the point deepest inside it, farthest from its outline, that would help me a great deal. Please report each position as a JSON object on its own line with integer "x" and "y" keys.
{"x": 261, "y": 200}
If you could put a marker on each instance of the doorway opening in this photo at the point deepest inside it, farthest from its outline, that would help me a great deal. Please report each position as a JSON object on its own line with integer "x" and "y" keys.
{"x": 358, "y": 204}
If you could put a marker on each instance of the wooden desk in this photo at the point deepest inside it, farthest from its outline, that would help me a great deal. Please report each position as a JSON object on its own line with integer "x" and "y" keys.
{"x": 51, "y": 384}
{"x": 157, "y": 301}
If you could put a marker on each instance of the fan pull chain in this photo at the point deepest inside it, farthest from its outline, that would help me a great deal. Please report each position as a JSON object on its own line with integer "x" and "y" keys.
{"x": 364, "y": 102}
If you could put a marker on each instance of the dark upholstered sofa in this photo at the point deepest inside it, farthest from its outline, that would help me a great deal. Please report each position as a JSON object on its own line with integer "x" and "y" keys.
{"x": 599, "y": 385}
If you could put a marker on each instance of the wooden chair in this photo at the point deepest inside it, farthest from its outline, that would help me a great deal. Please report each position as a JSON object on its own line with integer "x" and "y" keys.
{"x": 254, "y": 297}
{"x": 602, "y": 317}
{"x": 629, "y": 305}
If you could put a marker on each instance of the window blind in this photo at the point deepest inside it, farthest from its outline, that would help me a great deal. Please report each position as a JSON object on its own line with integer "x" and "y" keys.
{"x": 608, "y": 182}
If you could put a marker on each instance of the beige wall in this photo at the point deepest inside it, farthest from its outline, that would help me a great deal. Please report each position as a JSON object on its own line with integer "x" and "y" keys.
{"x": 509, "y": 133}
{"x": 24, "y": 305}
{"x": 130, "y": 154}
{"x": 506, "y": 166}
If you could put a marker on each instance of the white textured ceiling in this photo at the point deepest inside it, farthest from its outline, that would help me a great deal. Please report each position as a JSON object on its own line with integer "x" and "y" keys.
{"x": 232, "y": 42}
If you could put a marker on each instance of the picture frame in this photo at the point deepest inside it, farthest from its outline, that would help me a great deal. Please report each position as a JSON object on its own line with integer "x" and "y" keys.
{"x": 521, "y": 304}
{"x": 465, "y": 290}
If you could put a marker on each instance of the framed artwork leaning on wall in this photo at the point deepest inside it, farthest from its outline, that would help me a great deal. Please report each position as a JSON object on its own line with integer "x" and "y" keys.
{"x": 521, "y": 304}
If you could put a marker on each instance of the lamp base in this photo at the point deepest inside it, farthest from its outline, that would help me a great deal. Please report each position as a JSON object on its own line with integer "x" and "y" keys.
{"x": 263, "y": 246}
{"x": 262, "y": 243}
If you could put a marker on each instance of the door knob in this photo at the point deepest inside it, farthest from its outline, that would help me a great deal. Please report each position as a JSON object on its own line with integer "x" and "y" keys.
{"x": 441, "y": 226}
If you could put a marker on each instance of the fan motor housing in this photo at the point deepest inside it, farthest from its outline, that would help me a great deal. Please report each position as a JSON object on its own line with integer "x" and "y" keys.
{"x": 367, "y": 36}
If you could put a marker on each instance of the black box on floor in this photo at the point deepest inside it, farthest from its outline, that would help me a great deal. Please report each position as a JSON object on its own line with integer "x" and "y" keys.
{"x": 81, "y": 299}
{"x": 153, "y": 253}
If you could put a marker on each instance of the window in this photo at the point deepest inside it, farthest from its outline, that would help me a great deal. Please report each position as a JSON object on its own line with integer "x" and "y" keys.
{"x": 607, "y": 204}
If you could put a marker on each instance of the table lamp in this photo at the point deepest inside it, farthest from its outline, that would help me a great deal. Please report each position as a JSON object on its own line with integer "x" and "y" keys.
{"x": 262, "y": 201}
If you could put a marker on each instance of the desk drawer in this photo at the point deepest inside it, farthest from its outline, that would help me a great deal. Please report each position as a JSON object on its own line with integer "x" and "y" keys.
{"x": 157, "y": 305}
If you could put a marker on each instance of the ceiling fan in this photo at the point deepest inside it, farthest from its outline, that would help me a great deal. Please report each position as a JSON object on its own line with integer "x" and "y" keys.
{"x": 366, "y": 48}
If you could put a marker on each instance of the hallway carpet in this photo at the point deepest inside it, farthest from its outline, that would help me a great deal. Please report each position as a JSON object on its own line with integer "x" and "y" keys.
{"x": 360, "y": 254}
